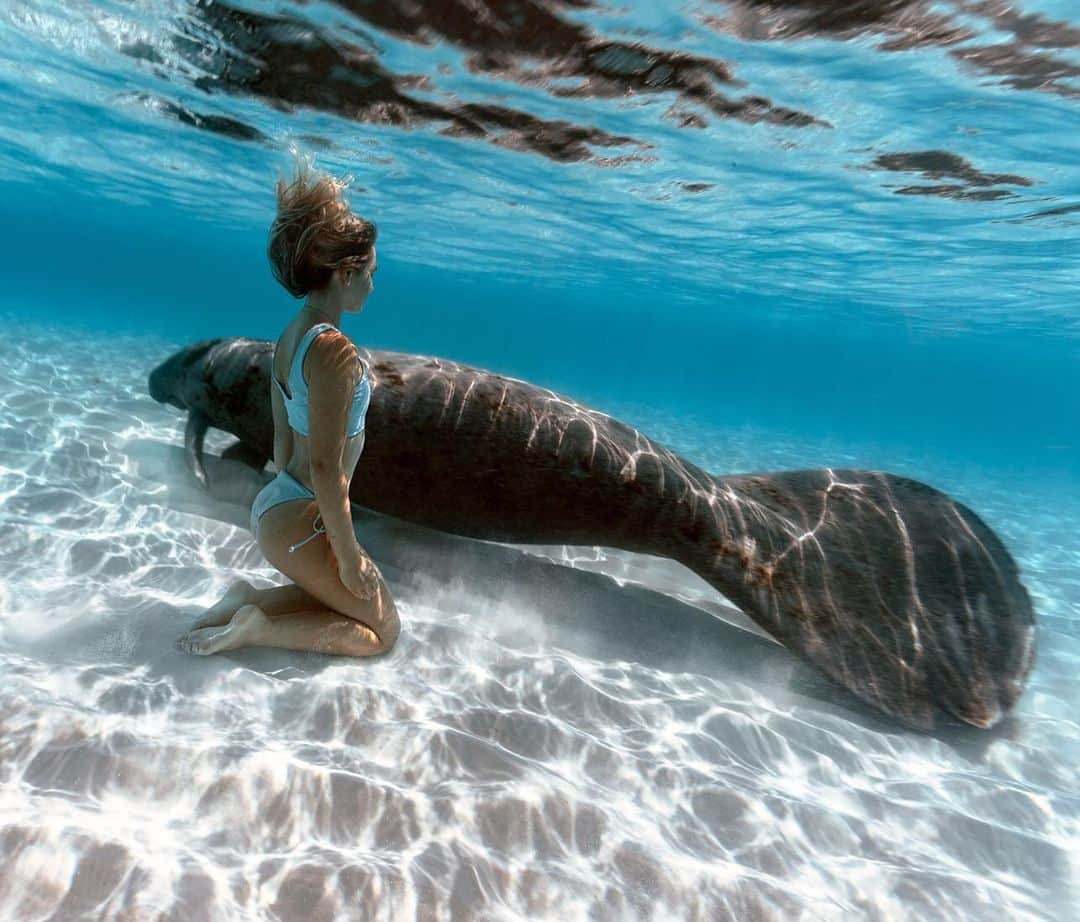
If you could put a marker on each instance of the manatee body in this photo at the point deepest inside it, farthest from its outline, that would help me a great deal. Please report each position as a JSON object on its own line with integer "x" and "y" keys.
{"x": 897, "y": 592}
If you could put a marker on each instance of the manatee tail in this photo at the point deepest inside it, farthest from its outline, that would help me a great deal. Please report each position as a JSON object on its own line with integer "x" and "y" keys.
{"x": 897, "y": 592}
{"x": 194, "y": 434}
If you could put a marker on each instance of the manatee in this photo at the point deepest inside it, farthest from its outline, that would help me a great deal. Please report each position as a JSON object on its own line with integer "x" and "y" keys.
{"x": 895, "y": 591}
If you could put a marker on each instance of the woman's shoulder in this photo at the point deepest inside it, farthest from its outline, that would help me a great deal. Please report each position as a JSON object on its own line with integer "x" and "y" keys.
{"x": 332, "y": 352}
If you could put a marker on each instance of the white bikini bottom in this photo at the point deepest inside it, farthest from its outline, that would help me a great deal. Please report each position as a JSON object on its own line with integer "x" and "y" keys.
{"x": 281, "y": 489}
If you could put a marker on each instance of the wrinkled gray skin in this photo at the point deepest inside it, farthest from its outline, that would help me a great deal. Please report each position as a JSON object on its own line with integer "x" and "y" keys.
{"x": 891, "y": 588}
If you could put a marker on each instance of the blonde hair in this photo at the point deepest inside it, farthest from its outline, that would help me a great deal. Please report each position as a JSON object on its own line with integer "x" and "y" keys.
{"x": 315, "y": 232}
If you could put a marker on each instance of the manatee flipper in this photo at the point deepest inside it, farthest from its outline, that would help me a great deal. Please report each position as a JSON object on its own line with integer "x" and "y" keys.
{"x": 894, "y": 590}
{"x": 194, "y": 434}
{"x": 246, "y": 454}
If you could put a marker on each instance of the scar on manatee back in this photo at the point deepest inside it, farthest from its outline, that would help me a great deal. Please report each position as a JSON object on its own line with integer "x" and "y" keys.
{"x": 388, "y": 374}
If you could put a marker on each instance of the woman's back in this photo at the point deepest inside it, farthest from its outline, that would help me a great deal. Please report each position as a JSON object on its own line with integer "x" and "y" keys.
{"x": 331, "y": 391}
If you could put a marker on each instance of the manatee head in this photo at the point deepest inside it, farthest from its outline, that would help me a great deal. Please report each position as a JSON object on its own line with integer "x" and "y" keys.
{"x": 180, "y": 376}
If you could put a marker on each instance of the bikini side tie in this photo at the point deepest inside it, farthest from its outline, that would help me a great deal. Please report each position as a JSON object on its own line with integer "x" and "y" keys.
{"x": 319, "y": 529}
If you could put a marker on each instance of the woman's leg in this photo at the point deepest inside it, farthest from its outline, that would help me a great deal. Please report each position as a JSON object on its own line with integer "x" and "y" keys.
{"x": 319, "y": 631}
{"x": 275, "y": 600}
{"x": 338, "y": 622}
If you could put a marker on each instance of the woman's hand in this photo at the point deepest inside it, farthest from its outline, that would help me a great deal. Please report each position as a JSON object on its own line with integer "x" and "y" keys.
{"x": 360, "y": 576}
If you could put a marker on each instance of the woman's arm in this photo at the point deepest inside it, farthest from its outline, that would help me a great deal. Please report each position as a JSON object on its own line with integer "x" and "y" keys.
{"x": 333, "y": 372}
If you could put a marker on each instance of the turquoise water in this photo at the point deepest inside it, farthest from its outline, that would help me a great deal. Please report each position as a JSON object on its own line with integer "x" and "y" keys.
{"x": 770, "y": 237}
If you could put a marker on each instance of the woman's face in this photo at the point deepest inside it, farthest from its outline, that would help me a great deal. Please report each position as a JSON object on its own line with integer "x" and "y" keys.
{"x": 363, "y": 283}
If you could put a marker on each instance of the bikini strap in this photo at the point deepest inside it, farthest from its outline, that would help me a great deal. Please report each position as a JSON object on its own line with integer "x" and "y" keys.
{"x": 302, "y": 348}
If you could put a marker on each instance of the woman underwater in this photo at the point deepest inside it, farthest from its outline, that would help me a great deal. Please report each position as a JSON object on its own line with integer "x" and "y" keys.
{"x": 338, "y": 601}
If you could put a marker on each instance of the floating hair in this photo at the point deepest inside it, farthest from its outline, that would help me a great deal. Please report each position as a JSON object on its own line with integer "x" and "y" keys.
{"x": 315, "y": 232}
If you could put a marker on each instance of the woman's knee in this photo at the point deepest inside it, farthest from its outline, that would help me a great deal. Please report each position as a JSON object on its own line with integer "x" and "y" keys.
{"x": 372, "y": 636}
{"x": 382, "y": 618}
{"x": 390, "y": 630}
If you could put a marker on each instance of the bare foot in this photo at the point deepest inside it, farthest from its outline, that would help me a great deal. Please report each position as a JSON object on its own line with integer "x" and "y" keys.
{"x": 241, "y": 592}
{"x": 242, "y": 630}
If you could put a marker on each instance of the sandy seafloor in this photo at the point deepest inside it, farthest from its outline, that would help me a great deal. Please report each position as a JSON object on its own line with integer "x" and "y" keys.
{"x": 569, "y": 733}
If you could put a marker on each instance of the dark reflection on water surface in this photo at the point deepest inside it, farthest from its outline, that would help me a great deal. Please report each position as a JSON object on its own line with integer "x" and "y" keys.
{"x": 290, "y": 62}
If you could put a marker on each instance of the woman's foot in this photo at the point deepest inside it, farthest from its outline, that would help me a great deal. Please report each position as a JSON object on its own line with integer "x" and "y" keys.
{"x": 239, "y": 593}
{"x": 243, "y": 630}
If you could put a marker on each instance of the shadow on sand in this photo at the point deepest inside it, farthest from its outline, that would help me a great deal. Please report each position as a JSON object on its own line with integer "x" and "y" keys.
{"x": 556, "y": 606}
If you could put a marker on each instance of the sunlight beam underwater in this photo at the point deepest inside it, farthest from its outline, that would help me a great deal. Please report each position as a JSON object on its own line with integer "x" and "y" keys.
{"x": 897, "y": 592}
